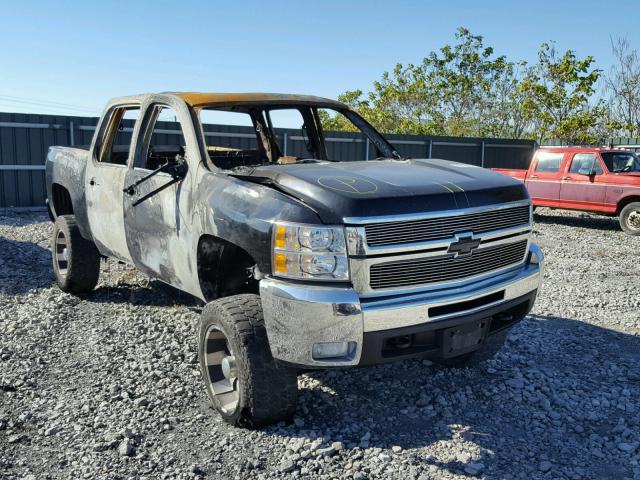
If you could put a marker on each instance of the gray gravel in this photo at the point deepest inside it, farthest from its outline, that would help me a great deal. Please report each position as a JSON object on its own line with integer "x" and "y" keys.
{"x": 107, "y": 385}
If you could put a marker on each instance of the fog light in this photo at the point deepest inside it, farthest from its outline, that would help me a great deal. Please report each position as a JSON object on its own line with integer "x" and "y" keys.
{"x": 338, "y": 350}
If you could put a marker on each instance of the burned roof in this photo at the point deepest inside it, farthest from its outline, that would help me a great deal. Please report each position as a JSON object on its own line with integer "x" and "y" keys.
{"x": 201, "y": 99}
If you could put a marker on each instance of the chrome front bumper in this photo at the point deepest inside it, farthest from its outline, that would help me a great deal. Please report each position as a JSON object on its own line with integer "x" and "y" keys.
{"x": 297, "y": 316}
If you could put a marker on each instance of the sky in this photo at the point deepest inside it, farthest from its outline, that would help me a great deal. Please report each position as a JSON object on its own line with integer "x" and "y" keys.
{"x": 71, "y": 57}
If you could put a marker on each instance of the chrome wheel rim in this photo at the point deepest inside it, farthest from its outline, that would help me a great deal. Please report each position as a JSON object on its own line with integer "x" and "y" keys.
{"x": 61, "y": 256}
{"x": 633, "y": 220}
{"x": 221, "y": 370}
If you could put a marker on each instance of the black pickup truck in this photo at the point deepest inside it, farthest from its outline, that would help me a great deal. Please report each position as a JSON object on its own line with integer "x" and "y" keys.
{"x": 303, "y": 260}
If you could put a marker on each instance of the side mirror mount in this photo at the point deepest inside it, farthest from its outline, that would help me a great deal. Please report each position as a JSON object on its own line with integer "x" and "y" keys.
{"x": 177, "y": 169}
{"x": 589, "y": 172}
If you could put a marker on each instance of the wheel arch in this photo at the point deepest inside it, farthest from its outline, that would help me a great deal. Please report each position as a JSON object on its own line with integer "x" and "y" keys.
{"x": 626, "y": 201}
{"x": 61, "y": 203}
{"x": 224, "y": 268}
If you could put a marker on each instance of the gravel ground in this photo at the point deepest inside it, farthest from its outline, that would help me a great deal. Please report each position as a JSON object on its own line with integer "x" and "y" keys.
{"x": 107, "y": 385}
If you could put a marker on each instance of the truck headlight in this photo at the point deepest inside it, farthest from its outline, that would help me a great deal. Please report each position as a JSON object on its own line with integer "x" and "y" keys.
{"x": 309, "y": 252}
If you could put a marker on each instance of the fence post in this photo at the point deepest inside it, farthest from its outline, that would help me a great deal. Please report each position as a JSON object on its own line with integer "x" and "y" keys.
{"x": 430, "y": 147}
{"x": 366, "y": 154}
{"x": 72, "y": 140}
{"x": 482, "y": 154}
{"x": 284, "y": 142}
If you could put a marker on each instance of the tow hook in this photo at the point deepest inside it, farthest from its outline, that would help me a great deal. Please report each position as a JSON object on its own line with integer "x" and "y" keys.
{"x": 400, "y": 342}
{"x": 503, "y": 317}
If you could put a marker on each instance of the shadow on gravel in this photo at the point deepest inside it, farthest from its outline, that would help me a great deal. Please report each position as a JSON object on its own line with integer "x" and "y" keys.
{"x": 556, "y": 384}
{"x": 23, "y": 266}
{"x": 594, "y": 222}
{"x": 155, "y": 293}
{"x": 10, "y": 219}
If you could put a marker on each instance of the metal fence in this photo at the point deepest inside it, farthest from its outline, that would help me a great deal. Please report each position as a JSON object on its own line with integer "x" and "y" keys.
{"x": 25, "y": 139}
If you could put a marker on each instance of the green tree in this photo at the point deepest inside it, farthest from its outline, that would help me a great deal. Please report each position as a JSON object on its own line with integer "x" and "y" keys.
{"x": 464, "y": 89}
{"x": 475, "y": 87}
{"x": 400, "y": 102}
{"x": 556, "y": 97}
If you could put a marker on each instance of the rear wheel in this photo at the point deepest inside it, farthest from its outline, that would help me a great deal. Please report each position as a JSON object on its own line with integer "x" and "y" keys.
{"x": 630, "y": 218}
{"x": 76, "y": 261}
{"x": 244, "y": 383}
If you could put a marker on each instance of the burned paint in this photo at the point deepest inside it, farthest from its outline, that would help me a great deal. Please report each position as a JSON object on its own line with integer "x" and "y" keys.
{"x": 339, "y": 190}
{"x": 161, "y": 230}
{"x": 199, "y": 99}
{"x": 348, "y": 184}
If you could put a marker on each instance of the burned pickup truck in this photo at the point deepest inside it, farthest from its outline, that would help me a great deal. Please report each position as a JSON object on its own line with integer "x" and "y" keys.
{"x": 304, "y": 260}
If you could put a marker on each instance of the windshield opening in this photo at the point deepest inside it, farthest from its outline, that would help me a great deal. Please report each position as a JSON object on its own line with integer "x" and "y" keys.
{"x": 243, "y": 136}
{"x": 620, "y": 162}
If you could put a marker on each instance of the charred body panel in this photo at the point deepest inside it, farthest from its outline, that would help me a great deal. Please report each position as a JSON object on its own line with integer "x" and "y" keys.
{"x": 65, "y": 167}
{"x": 211, "y": 231}
{"x": 164, "y": 231}
{"x": 158, "y": 208}
{"x": 243, "y": 213}
{"x": 342, "y": 190}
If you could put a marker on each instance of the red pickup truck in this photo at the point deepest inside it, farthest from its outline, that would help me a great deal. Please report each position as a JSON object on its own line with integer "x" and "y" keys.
{"x": 598, "y": 180}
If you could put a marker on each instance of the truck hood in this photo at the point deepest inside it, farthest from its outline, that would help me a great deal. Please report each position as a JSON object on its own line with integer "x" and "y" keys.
{"x": 338, "y": 191}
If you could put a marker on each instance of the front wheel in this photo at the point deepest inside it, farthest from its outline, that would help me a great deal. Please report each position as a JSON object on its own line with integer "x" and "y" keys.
{"x": 630, "y": 218}
{"x": 244, "y": 383}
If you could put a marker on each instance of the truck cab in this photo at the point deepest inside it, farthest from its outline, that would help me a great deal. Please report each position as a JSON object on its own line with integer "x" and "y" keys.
{"x": 302, "y": 259}
{"x": 598, "y": 180}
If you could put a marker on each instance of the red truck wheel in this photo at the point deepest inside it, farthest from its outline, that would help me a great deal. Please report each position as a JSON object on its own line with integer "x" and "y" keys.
{"x": 630, "y": 218}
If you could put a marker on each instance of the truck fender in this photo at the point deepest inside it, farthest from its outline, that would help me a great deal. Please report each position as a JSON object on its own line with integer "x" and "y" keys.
{"x": 64, "y": 172}
{"x": 242, "y": 214}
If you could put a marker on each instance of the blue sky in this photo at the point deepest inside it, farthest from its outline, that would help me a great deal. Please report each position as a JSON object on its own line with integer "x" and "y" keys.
{"x": 70, "y": 57}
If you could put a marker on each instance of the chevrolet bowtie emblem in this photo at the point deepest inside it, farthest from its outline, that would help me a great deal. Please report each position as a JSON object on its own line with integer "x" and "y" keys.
{"x": 463, "y": 246}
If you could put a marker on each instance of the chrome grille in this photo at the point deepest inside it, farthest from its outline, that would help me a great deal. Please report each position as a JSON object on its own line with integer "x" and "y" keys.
{"x": 423, "y": 271}
{"x": 411, "y": 231}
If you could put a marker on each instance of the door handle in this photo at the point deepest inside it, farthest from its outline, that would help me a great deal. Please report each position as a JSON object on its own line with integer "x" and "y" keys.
{"x": 566, "y": 178}
{"x": 533, "y": 176}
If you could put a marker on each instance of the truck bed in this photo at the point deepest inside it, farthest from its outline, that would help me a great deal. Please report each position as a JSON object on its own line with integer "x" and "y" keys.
{"x": 64, "y": 172}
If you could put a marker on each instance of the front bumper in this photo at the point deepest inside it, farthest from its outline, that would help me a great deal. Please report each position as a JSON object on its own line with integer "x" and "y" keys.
{"x": 299, "y": 316}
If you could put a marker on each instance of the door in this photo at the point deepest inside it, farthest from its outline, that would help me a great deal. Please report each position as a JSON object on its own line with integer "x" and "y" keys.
{"x": 582, "y": 186}
{"x": 104, "y": 180}
{"x": 157, "y": 236}
{"x": 543, "y": 183}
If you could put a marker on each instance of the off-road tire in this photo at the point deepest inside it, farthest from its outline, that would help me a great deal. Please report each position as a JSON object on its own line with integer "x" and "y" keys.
{"x": 267, "y": 390}
{"x": 629, "y": 217}
{"x": 80, "y": 271}
{"x": 492, "y": 345}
